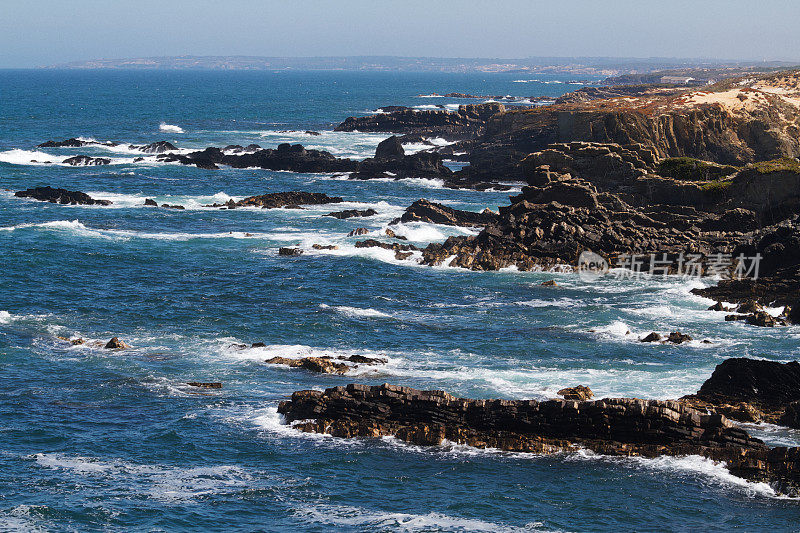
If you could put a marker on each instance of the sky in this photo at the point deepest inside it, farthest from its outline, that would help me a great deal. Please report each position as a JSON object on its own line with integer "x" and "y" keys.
{"x": 46, "y": 32}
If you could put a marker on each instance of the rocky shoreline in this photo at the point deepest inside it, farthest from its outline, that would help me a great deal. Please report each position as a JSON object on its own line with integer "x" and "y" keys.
{"x": 614, "y": 426}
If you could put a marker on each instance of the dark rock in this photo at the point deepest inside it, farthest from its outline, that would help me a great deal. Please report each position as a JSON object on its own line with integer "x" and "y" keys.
{"x": 763, "y": 319}
{"x": 357, "y": 232}
{"x": 580, "y": 393}
{"x": 313, "y": 133}
{"x": 75, "y": 143}
{"x": 791, "y": 415}
{"x": 676, "y": 337}
{"x": 652, "y": 337}
{"x": 150, "y": 202}
{"x": 167, "y": 206}
{"x": 469, "y": 121}
{"x": 69, "y": 143}
{"x": 290, "y": 252}
{"x": 284, "y": 199}
{"x": 203, "y": 385}
{"x": 157, "y": 147}
{"x": 619, "y": 426}
{"x": 116, "y": 344}
{"x": 426, "y": 211}
{"x": 361, "y": 359}
{"x": 86, "y": 161}
{"x": 390, "y": 148}
{"x": 749, "y": 306}
{"x": 372, "y": 243}
{"x": 350, "y": 213}
{"x": 549, "y": 283}
{"x": 323, "y": 365}
{"x": 258, "y": 345}
{"x": 767, "y": 385}
{"x": 324, "y": 247}
{"x": 60, "y": 196}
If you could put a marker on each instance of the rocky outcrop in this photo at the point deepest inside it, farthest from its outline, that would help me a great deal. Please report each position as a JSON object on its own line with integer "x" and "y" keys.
{"x": 420, "y": 165}
{"x": 390, "y": 149}
{"x": 86, "y": 161}
{"x": 286, "y": 156}
{"x": 620, "y": 426}
{"x": 751, "y": 390}
{"x": 427, "y": 211}
{"x": 155, "y": 148}
{"x": 116, "y": 344}
{"x": 733, "y": 122}
{"x": 152, "y": 148}
{"x": 274, "y": 200}
{"x": 205, "y": 385}
{"x": 75, "y": 143}
{"x": 467, "y": 122}
{"x": 551, "y": 225}
{"x": 350, "y": 213}
{"x": 289, "y": 252}
{"x": 60, "y": 196}
{"x": 327, "y": 364}
{"x": 778, "y": 280}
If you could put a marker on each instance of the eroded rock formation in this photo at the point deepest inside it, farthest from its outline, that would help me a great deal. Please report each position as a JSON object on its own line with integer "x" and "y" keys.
{"x": 621, "y": 426}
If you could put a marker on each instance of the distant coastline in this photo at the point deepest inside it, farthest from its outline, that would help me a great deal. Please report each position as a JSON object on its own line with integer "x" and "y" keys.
{"x": 588, "y": 66}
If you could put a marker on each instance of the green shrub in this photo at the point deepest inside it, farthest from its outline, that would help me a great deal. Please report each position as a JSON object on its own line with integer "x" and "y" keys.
{"x": 690, "y": 169}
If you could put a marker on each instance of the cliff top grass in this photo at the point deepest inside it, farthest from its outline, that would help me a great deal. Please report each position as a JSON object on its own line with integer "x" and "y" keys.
{"x": 690, "y": 169}
{"x": 783, "y": 164}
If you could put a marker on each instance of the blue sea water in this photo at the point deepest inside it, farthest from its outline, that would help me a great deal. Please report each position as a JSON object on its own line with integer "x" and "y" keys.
{"x": 97, "y": 440}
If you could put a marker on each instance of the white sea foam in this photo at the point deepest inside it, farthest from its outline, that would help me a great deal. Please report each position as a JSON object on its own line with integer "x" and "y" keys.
{"x": 162, "y": 482}
{"x": 691, "y": 465}
{"x": 29, "y": 157}
{"x": 77, "y": 228}
{"x": 170, "y": 128}
{"x": 356, "y": 312}
{"x": 429, "y": 232}
{"x": 38, "y": 158}
{"x": 354, "y": 517}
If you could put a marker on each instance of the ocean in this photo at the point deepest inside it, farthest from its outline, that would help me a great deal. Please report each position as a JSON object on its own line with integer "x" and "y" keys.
{"x": 92, "y": 439}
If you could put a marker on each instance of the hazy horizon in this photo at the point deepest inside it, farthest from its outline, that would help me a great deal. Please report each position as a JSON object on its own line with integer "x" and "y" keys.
{"x": 50, "y": 32}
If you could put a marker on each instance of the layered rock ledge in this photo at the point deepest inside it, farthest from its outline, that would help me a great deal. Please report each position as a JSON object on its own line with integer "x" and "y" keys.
{"x": 618, "y": 426}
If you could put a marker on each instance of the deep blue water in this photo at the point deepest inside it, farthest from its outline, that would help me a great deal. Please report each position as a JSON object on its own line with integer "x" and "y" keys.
{"x": 92, "y": 439}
